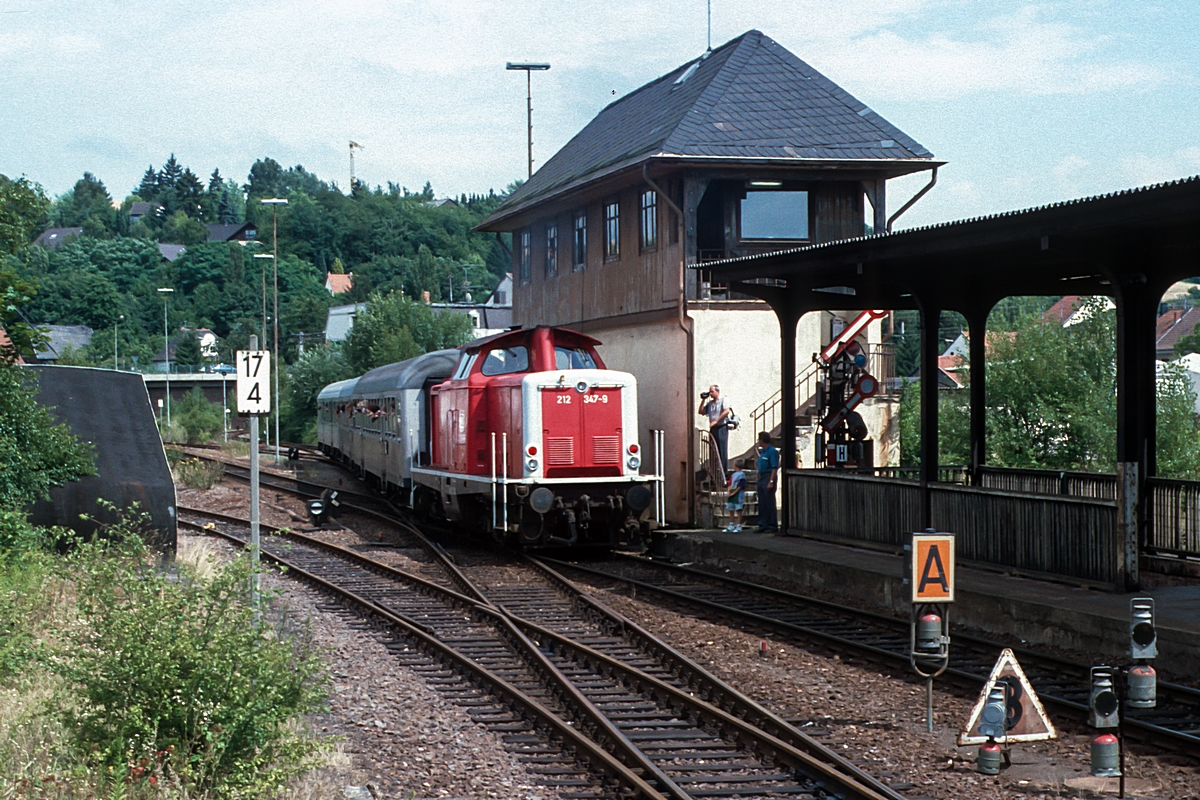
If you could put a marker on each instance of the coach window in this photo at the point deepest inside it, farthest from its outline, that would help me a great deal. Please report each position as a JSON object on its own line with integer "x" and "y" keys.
{"x": 649, "y": 228}
{"x": 506, "y": 360}
{"x": 551, "y": 250}
{"x": 579, "y": 243}
{"x": 524, "y": 253}
{"x": 612, "y": 230}
{"x": 770, "y": 213}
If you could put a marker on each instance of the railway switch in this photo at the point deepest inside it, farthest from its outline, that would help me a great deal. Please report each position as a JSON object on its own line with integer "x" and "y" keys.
{"x": 1142, "y": 687}
{"x": 1106, "y": 756}
{"x": 1104, "y": 705}
{"x": 1143, "y": 639}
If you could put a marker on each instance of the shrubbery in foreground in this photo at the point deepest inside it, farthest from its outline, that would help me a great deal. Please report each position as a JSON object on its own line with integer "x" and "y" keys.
{"x": 150, "y": 683}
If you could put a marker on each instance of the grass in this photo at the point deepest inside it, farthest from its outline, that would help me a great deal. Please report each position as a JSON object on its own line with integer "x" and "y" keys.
{"x": 196, "y": 473}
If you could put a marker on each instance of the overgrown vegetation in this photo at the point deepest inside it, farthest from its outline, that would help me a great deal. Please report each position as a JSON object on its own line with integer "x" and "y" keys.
{"x": 195, "y": 473}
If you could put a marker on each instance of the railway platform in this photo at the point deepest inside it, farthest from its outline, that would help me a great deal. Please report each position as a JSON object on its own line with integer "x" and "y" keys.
{"x": 1009, "y": 608}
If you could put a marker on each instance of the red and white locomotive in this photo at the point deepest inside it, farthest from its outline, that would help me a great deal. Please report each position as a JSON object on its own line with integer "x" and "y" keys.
{"x": 530, "y": 437}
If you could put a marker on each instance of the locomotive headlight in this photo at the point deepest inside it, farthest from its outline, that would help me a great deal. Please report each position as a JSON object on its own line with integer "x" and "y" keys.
{"x": 634, "y": 462}
{"x": 633, "y": 448}
{"x": 531, "y": 465}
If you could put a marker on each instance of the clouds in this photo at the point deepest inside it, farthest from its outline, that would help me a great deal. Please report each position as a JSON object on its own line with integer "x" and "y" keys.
{"x": 111, "y": 86}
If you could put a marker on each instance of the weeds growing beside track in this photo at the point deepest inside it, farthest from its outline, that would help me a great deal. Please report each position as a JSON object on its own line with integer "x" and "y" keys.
{"x": 119, "y": 679}
{"x": 195, "y": 473}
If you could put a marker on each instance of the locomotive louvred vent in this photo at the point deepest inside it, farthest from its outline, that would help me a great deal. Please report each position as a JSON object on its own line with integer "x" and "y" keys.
{"x": 560, "y": 451}
{"x": 606, "y": 449}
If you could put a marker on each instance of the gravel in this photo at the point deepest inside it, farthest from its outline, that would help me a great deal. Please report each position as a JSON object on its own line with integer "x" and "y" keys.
{"x": 878, "y": 720}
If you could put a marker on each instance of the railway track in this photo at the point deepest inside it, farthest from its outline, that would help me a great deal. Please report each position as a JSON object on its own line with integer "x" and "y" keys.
{"x": 1065, "y": 684}
{"x": 667, "y": 722}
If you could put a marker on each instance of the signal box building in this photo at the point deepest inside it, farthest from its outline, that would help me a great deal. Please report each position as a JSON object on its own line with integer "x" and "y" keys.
{"x": 746, "y": 149}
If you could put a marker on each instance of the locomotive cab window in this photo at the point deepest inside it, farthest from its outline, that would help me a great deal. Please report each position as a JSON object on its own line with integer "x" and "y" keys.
{"x": 464, "y": 366}
{"x": 506, "y": 360}
{"x": 573, "y": 358}
{"x": 778, "y": 214}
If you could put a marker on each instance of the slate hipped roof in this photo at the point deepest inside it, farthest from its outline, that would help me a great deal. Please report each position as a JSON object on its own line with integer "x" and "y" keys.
{"x": 748, "y": 99}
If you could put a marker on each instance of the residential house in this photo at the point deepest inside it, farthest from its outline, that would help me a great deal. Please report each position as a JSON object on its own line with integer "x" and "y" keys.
{"x": 493, "y": 315}
{"x": 172, "y": 251}
{"x": 139, "y": 210}
{"x": 744, "y": 149}
{"x": 337, "y": 284}
{"x": 208, "y": 349}
{"x": 1173, "y": 324}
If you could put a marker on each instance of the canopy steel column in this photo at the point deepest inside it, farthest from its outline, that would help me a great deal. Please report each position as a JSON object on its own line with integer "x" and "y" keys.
{"x": 977, "y": 330}
{"x": 1137, "y": 309}
{"x": 931, "y": 313}
{"x": 788, "y": 319}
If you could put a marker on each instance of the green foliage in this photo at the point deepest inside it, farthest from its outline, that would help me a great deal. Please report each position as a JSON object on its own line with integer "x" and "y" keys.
{"x": 199, "y": 419}
{"x": 316, "y": 369}
{"x": 1178, "y": 439}
{"x": 35, "y": 453}
{"x": 197, "y": 474}
{"x": 180, "y": 228}
{"x": 393, "y": 328}
{"x": 87, "y": 205}
{"x": 24, "y": 571}
{"x": 14, "y": 293}
{"x": 176, "y": 670}
{"x": 1188, "y": 343}
{"x": 187, "y": 350}
{"x": 23, "y": 210}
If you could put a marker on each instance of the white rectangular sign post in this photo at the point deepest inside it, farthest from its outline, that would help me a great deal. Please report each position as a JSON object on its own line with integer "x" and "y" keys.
{"x": 254, "y": 399}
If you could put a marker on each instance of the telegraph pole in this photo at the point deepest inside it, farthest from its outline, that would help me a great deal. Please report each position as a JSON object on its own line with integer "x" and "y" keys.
{"x": 528, "y": 67}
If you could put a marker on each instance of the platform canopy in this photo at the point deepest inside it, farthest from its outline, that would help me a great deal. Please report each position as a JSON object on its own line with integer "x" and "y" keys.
{"x": 1130, "y": 245}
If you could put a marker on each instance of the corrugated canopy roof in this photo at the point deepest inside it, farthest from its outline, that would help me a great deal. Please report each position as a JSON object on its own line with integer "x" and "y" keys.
{"x": 749, "y": 99}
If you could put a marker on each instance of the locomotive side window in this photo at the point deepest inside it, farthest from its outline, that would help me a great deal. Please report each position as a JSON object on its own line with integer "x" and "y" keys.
{"x": 464, "y": 366}
{"x": 506, "y": 360}
{"x": 573, "y": 358}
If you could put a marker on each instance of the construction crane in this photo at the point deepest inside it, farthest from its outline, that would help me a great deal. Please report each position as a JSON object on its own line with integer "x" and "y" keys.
{"x": 353, "y": 144}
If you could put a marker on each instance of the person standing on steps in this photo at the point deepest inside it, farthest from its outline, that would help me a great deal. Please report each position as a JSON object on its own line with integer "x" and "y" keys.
{"x": 735, "y": 496}
{"x": 717, "y": 409}
{"x": 768, "y": 478}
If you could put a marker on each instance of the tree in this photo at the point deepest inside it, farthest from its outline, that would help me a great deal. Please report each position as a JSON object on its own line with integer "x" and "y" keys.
{"x": 149, "y": 188}
{"x": 23, "y": 210}
{"x": 1188, "y": 343}
{"x": 87, "y": 202}
{"x": 199, "y": 418}
{"x": 187, "y": 350}
{"x": 393, "y": 328}
{"x": 1178, "y": 439}
{"x": 183, "y": 229}
{"x": 14, "y": 293}
{"x": 35, "y": 452}
{"x": 316, "y": 369}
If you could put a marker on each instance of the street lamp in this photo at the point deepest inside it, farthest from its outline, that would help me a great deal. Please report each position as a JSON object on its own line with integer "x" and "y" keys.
{"x": 275, "y": 203}
{"x": 528, "y": 68}
{"x": 167, "y": 349}
{"x": 116, "y": 331}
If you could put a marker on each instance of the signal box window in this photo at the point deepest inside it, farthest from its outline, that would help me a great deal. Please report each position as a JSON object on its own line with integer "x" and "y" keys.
{"x": 774, "y": 215}
{"x": 506, "y": 360}
{"x": 649, "y": 220}
{"x": 526, "y": 257}
{"x": 612, "y": 230}
{"x": 579, "y": 244}
{"x": 573, "y": 358}
{"x": 551, "y": 250}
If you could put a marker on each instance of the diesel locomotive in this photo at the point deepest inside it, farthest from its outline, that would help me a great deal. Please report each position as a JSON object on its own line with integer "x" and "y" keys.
{"x": 524, "y": 435}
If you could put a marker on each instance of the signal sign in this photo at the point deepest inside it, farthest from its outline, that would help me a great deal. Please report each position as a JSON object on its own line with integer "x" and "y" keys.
{"x": 933, "y": 568}
{"x": 254, "y": 381}
{"x": 1024, "y": 718}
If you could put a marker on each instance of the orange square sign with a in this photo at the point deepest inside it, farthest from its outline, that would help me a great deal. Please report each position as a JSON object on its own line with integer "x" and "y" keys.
{"x": 933, "y": 568}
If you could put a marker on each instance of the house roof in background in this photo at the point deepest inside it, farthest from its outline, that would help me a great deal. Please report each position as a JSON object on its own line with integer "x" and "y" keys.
{"x": 227, "y": 232}
{"x": 336, "y": 284}
{"x": 61, "y": 337}
{"x": 141, "y": 208}
{"x": 749, "y": 99}
{"x": 172, "y": 251}
{"x": 52, "y": 238}
{"x": 1173, "y": 324}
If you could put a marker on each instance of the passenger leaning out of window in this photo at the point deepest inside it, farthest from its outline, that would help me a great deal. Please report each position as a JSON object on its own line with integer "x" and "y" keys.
{"x": 717, "y": 409}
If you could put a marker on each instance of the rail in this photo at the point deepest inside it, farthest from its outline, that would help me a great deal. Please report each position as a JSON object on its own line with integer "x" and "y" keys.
{"x": 1073, "y": 537}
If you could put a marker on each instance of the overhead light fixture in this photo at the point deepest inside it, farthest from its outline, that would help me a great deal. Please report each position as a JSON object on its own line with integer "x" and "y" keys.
{"x": 767, "y": 184}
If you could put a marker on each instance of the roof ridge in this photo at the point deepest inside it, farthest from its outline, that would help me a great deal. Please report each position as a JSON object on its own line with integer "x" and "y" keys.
{"x": 724, "y": 78}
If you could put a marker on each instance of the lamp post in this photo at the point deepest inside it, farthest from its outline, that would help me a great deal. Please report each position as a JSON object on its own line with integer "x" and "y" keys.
{"x": 167, "y": 349}
{"x": 275, "y": 203}
{"x": 528, "y": 68}
{"x": 116, "y": 331}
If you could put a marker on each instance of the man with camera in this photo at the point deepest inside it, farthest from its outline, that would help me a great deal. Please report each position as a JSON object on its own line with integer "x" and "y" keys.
{"x": 718, "y": 411}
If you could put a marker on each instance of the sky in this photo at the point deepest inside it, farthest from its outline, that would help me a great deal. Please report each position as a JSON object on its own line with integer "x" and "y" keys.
{"x": 1028, "y": 103}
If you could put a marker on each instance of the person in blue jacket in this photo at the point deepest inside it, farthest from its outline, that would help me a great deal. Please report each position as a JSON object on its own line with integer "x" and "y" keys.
{"x": 736, "y": 496}
{"x": 768, "y": 479}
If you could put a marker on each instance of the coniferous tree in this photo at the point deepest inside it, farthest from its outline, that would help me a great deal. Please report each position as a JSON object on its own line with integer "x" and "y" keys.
{"x": 189, "y": 193}
{"x": 148, "y": 188}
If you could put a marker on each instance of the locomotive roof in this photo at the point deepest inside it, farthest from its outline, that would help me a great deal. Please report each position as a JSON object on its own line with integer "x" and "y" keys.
{"x": 410, "y": 374}
{"x": 338, "y": 391}
{"x": 562, "y": 336}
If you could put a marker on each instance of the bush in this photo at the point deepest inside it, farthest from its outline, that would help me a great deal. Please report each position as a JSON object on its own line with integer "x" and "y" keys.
{"x": 195, "y": 473}
{"x": 199, "y": 419}
{"x": 174, "y": 675}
